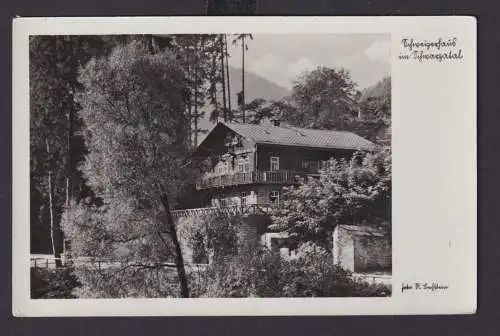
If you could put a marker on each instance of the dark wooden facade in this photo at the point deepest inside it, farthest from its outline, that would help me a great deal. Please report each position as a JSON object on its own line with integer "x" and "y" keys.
{"x": 243, "y": 172}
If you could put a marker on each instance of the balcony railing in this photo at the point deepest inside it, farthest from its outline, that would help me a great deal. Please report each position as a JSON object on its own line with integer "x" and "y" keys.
{"x": 258, "y": 176}
{"x": 235, "y": 209}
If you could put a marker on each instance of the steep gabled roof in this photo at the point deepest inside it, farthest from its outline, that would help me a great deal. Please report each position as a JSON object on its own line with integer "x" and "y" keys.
{"x": 301, "y": 137}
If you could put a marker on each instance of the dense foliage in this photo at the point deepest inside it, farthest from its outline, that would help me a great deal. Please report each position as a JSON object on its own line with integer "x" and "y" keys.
{"x": 136, "y": 134}
{"x": 266, "y": 274}
{"x": 127, "y": 282}
{"x": 324, "y": 98}
{"x": 50, "y": 283}
{"x": 212, "y": 236}
{"x": 327, "y": 98}
{"x": 259, "y": 274}
{"x": 354, "y": 191}
{"x": 55, "y": 144}
{"x": 113, "y": 122}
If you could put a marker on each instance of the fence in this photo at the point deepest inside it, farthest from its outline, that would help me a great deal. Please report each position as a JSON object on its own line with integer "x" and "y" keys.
{"x": 46, "y": 261}
{"x": 50, "y": 262}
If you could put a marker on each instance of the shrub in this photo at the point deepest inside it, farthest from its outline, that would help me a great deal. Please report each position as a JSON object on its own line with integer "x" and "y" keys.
{"x": 265, "y": 274}
{"x": 245, "y": 275}
{"x": 354, "y": 191}
{"x": 57, "y": 283}
{"x": 123, "y": 282}
{"x": 313, "y": 274}
{"x": 210, "y": 235}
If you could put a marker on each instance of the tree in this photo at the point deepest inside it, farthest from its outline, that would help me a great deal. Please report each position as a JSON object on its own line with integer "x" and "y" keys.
{"x": 259, "y": 110}
{"x": 49, "y": 96}
{"x": 240, "y": 38}
{"x": 228, "y": 82}
{"x": 355, "y": 191}
{"x": 55, "y": 144}
{"x": 223, "y": 74}
{"x": 251, "y": 113}
{"x": 136, "y": 131}
{"x": 202, "y": 57}
{"x": 211, "y": 236}
{"x": 374, "y": 112}
{"x": 324, "y": 99}
{"x": 375, "y": 101}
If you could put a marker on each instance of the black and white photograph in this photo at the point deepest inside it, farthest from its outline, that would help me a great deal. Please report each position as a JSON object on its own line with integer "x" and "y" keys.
{"x": 210, "y": 165}
{"x": 192, "y": 166}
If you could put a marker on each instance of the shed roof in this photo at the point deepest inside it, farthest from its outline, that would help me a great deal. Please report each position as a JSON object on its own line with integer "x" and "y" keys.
{"x": 362, "y": 230}
{"x": 302, "y": 137}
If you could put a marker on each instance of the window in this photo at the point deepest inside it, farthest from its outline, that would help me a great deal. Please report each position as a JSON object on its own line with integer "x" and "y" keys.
{"x": 275, "y": 163}
{"x": 310, "y": 165}
{"x": 304, "y": 164}
{"x": 244, "y": 164}
{"x": 222, "y": 168}
{"x": 243, "y": 197}
{"x": 274, "y": 196}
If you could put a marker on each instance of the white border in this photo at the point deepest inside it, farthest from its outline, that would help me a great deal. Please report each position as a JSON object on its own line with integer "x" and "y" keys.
{"x": 434, "y": 165}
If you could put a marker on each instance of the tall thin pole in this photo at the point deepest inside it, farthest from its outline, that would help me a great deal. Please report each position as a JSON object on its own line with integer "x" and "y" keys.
{"x": 243, "y": 77}
{"x": 196, "y": 92}
{"x": 224, "y": 107}
{"x": 227, "y": 75}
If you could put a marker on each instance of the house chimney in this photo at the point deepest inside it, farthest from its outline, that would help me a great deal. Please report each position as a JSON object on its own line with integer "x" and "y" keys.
{"x": 276, "y": 122}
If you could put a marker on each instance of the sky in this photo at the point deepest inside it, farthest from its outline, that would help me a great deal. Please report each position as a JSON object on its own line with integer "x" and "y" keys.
{"x": 281, "y": 58}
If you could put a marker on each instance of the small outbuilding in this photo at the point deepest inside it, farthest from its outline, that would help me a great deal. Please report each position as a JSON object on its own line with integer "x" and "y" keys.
{"x": 362, "y": 249}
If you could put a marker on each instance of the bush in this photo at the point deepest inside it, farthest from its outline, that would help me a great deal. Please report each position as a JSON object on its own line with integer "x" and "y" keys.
{"x": 244, "y": 275}
{"x": 259, "y": 274}
{"x": 210, "y": 235}
{"x": 127, "y": 282}
{"x": 265, "y": 274}
{"x": 57, "y": 283}
{"x": 355, "y": 191}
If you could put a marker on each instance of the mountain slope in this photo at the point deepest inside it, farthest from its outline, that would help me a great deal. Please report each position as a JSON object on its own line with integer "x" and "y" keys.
{"x": 255, "y": 87}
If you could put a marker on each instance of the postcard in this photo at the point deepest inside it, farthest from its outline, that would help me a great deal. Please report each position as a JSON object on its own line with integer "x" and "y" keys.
{"x": 244, "y": 166}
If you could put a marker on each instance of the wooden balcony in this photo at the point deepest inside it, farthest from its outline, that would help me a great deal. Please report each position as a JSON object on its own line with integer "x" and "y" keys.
{"x": 253, "y": 177}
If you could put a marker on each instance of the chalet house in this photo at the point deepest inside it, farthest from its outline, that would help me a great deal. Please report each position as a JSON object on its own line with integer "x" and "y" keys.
{"x": 249, "y": 164}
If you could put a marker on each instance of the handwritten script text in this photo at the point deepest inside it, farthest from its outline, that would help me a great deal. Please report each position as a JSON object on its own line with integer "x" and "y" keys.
{"x": 439, "y": 50}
